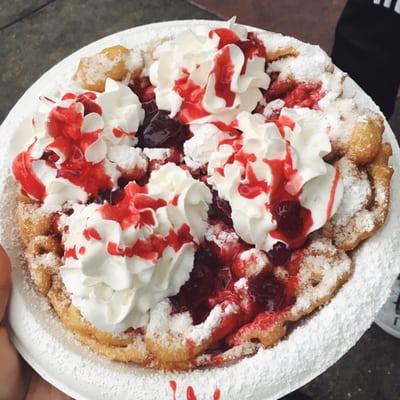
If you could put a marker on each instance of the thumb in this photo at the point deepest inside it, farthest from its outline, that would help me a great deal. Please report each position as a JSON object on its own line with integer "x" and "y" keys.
{"x": 5, "y": 282}
{"x": 12, "y": 383}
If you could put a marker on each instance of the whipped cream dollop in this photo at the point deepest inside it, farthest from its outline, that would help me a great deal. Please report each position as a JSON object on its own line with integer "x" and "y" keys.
{"x": 78, "y": 144}
{"x": 210, "y": 75}
{"x": 269, "y": 162}
{"x": 123, "y": 259}
{"x": 190, "y": 197}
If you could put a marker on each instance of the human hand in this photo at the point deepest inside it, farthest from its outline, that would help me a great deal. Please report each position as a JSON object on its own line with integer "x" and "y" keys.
{"x": 17, "y": 380}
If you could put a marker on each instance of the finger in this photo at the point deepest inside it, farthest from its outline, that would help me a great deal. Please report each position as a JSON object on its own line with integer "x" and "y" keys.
{"x": 40, "y": 389}
{"x": 5, "y": 281}
{"x": 13, "y": 381}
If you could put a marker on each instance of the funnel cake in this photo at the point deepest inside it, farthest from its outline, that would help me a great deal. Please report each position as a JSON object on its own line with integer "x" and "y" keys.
{"x": 188, "y": 203}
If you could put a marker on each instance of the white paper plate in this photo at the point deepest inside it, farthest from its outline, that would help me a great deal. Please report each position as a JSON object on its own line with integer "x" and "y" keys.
{"x": 310, "y": 349}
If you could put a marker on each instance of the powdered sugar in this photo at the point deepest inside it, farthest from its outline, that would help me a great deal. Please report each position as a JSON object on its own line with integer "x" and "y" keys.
{"x": 300, "y": 67}
{"x": 96, "y": 70}
{"x": 356, "y": 193}
{"x": 269, "y": 374}
{"x": 127, "y": 157}
{"x": 157, "y": 154}
{"x": 203, "y": 331}
{"x": 220, "y": 238}
{"x": 319, "y": 275}
{"x": 48, "y": 260}
{"x": 199, "y": 147}
{"x": 241, "y": 284}
{"x": 256, "y": 260}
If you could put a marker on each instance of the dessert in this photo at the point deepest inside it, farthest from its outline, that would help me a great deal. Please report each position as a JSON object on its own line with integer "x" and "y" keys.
{"x": 202, "y": 203}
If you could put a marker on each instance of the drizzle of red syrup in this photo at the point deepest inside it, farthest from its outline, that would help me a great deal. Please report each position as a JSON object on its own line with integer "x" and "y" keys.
{"x": 174, "y": 201}
{"x": 91, "y": 233}
{"x": 66, "y": 122}
{"x": 283, "y": 121}
{"x": 226, "y": 36}
{"x": 118, "y": 133}
{"x": 82, "y": 250}
{"x": 193, "y": 94}
{"x": 254, "y": 187}
{"x": 251, "y": 47}
{"x": 71, "y": 253}
{"x": 23, "y": 172}
{"x": 229, "y": 128}
{"x": 91, "y": 177}
{"x": 87, "y": 99}
{"x": 223, "y": 71}
{"x": 172, "y": 384}
{"x": 69, "y": 96}
{"x": 190, "y": 395}
{"x": 153, "y": 247}
{"x": 282, "y": 173}
{"x": 90, "y": 106}
{"x": 136, "y": 207}
{"x": 332, "y": 195}
{"x": 217, "y": 394}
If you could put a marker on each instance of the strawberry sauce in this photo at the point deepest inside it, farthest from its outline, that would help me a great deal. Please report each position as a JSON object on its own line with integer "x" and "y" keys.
{"x": 190, "y": 393}
{"x": 332, "y": 195}
{"x": 71, "y": 253}
{"x": 91, "y": 233}
{"x": 223, "y": 70}
{"x": 135, "y": 209}
{"x": 293, "y": 220}
{"x": 293, "y": 93}
{"x": 172, "y": 384}
{"x": 153, "y": 247}
{"x": 64, "y": 126}
{"x": 192, "y": 107}
{"x": 23, "y": 172}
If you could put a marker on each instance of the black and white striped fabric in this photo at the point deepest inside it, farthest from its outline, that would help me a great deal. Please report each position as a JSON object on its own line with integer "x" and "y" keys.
{"x": 367, "y": 47}
{"x": 391, "y": 4}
